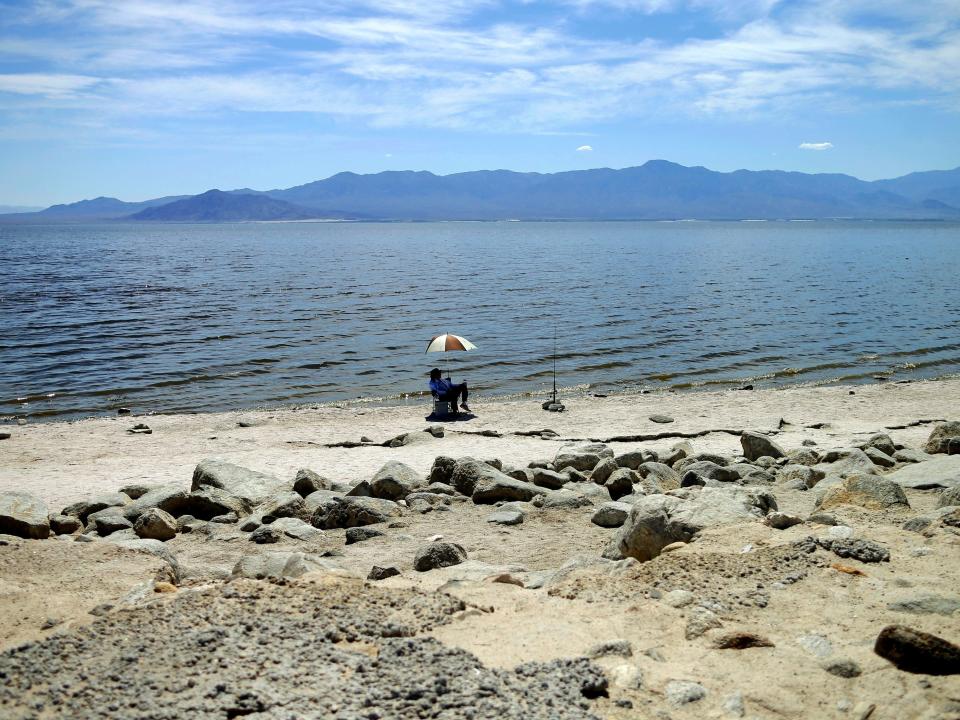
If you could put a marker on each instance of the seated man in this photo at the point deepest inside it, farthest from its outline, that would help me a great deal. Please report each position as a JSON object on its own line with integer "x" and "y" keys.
{"x": 446, "y": 390}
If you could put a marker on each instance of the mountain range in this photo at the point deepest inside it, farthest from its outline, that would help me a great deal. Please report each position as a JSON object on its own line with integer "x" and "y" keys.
{"x": 657, "y": 190}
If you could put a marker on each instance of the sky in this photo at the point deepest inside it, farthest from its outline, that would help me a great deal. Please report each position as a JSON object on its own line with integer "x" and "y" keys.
{"x": 147, "y": 98}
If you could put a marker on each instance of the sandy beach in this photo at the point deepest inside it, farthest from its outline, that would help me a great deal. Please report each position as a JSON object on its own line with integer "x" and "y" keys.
{"x": 742, "y": 619}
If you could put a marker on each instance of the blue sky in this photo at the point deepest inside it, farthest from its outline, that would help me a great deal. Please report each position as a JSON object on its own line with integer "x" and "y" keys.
{"x": 146, "y": 98}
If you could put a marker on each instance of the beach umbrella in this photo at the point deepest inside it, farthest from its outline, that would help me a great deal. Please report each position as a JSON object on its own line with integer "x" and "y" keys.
{"x": 449, "y": 343}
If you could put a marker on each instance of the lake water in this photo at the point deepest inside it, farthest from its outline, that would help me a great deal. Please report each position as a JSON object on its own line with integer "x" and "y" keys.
{"x": 173, "y": 318}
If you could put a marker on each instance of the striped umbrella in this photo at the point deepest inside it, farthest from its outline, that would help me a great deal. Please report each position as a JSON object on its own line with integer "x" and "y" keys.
{"x": 449, "y": 343}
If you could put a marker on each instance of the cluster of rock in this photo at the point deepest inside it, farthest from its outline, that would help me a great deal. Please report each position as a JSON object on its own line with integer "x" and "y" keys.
{"x": 656, "y": 502}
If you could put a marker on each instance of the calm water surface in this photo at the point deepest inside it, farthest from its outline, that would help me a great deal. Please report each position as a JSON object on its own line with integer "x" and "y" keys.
{"x": 213, "y": 317}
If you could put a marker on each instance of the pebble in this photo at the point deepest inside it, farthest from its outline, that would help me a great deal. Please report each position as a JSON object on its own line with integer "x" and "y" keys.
{"x": 733, "y": 705}
{"x": 843, "y": 667}
{"x": 662, "y": 419}
{"x": 627, "y": 676}
{"x": 621, "y": 648}
{"x": 382, "y": 573}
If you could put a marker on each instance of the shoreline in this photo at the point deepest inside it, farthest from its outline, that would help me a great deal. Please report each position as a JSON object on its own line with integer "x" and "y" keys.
{"x": 64, "y": 461}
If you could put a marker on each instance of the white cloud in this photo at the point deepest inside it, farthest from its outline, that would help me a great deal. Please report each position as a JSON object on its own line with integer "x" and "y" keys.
{"x": 585, "y": 148}
{"x": 815, "y": 146}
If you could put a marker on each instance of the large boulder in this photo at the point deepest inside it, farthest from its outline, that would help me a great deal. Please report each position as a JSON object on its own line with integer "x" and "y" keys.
{"x": 603, "y": 470}
{"x": 655, "y": 521}
{"x": 442, "y": 469}
{"x": 467, "y": 472}
{"x": 394, "y": 481}
{"x": 621, "y": 482}
{"x": 85, "y": 508}
{"x": 583, "y": 457}
{"x": 209, "y": 502}
{"x": 709, "y": 470}
{"x": 881, "y": 442}
{"x": 805, "y": 474}
{"x": 307, "y": 481}
{"x": 657, "y": 477}
{"x": 249, "y": 485}
{"x": 866, "y": 491}
{"x": 611, "y": 514}
{"x": 281, "y": 505}
{"x": 941, "y": 472}
{"x": 847, "y": 462}
{"x": 633, "y": 459}
{"x": 169, "y": 498}
{"x": 496, "y": 486}
{"x": 940, "y": 437}
{"x": 108, "y": 521}
{"x": 756, "y": 446}
{"x": 566, "y": 499}
{"x": 317, "y": 498}
{"x": 156, "y": 524}
{"x": 348, "y": 512}
{"x": 548, "y": 478}
{"x": 24, "y": 515}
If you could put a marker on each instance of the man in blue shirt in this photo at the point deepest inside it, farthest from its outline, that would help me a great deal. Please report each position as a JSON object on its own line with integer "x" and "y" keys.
{"x": 446, "y": 390}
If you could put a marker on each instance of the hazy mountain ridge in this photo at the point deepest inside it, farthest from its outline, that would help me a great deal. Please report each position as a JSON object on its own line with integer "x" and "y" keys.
{"x": 656, "y": 190}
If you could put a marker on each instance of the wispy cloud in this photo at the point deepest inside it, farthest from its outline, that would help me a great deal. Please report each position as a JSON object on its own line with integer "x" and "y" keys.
{"x": 585, "y": 148}
{"x": 815, "y": 145}
{"x": 471, "y": 64}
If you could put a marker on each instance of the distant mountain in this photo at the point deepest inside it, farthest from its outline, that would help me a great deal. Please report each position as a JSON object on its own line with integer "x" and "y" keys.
{"x": 657, "y": 190}
{"x": 219, "y": 206}
{"x": 104, "y": 208}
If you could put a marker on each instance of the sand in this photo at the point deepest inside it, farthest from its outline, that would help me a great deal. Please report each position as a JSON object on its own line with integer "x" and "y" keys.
{"x": 828, "y": 618}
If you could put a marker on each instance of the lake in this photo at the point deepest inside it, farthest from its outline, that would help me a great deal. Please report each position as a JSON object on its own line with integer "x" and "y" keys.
{"x": 183, "y": 318}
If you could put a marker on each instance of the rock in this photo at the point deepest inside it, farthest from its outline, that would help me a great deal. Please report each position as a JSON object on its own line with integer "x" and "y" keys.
{"x": 863, "y": 550}
{"x": 712, "y": 471}
{"x": 296, "y": 529}
{"x": 809, "y": 476}
{"x": 360, "y": 534}
{"x": 626, "y": 676}
{"x": 65, "y": 525}
{"x": 635, "y": 458}
{"x": 927, "y": 605}
{"x": 442, "y": 469}
{"x": 941, "y": 472}
{"x": 678, "y": 598}
{"x": 281, "y": 505}
{"x": 394, "y": 481}
{"x": 949, "y": 497}
{"x": 878, "y": 457}
{"x": 881, "y": 442}
{"x": 844, "y": 463}
{"x": 409, "y": 439}
{"x": 818, "y": 645}
{"x": 843, "y": 667}
{"x": 739, "y": 640}
{"x": 155, "y": 524}
{"x": 603, "y": 470}
{"x": 909, "y": 455}
{"x": 611, "y": 514}
{"x": 250, "y": 486}
{"x": 548, "y": 478}
{"x": 85, "y": 508}
{"x": 822, "y": 518}
{"x": 684, "y": 692}
{"x": 226, "y": 519}
{"x": 361, "y": 489}
{"x": 565, "y": 499}
{"x": 320, "y": 498}
{"x": 277, "y": 565}
{"x": 620, "y": 482}
{"x": 468, "y": 472}
{"x": 940, "y": 437}
{"x": 153, "y": 547}
{"x": 140, "y": 429}
{"x": 756, "y": 445}
{"x": 136, "y": 490}
{"x": 438, "y": 555}
{"x": 108, "y": 521}
{"x": 307, "y": 482}
{"x": 24, "y": 515}
{"x": 505, "y": 517}
{"x": 657, "y": 477}
{"x": 581, "y": 457}
{"x": 495, "y": 486}
{"x": 349, "y": 512}
{"x": 382, "y": 573}
{"x": 209, "y": 502}
{"x": 658, "y": 520}
{"x": 781, "y": 521}
{"x": 169, "y": 498}
{"x": 266, "y": 534}
{"x": 917, "y": 652}
{"x": 699, "y": 621}
{"x": 803, "y": 456}
{"x": 617, "y": 648}
{"x": 661, "y": 419}
{"x": 733, "y": 705}
{"x": 866, "y": 491}
{"x": 678, "y": 452}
